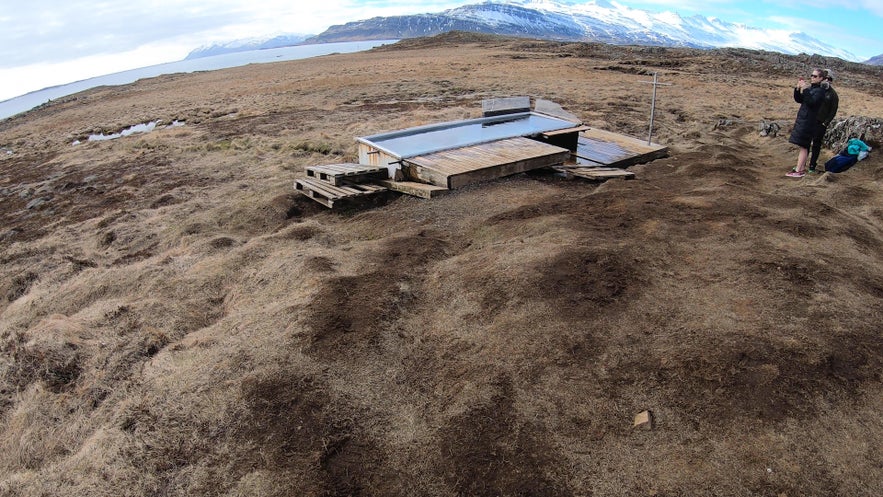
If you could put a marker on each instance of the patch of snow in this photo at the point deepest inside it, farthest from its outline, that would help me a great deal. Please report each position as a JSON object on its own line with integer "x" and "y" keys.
{"x": 137, "y": 128}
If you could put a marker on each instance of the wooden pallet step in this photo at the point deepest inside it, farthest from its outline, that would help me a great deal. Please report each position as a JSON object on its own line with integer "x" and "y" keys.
{"x": 327, "y": 194}
{"x": 338, "y": 174}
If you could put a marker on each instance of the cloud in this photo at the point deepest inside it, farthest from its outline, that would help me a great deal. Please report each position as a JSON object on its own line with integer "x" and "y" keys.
{"x": 47, "y": 31}
{"x": 47, "y": 42}
{"x": 64, "y": 31}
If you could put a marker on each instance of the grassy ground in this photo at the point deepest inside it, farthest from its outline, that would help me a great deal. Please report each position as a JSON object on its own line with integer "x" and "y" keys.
{"x": 176, "y": 320}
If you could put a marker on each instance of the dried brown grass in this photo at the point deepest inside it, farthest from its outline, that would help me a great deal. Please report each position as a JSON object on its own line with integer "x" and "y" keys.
{"x": 175, "y": 320}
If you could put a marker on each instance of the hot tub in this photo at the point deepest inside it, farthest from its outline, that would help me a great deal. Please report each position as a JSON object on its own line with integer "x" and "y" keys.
{"x": 389, "y": 149}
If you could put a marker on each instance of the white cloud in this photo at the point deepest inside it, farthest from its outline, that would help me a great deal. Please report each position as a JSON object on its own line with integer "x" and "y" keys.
{"x": 23, "y": 79}
{"x": 53, "y": 31}
{"x": 46, "y": 42}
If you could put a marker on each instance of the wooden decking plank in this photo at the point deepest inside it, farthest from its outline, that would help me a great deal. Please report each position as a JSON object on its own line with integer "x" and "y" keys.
{"x": 322, "y": 186}
{"x": 472, "y": 164}
{"x": 507, "y": 169}
{"x": 336, "y": 168}
{"x": 315, "y": 195}
{"x": 599, "y": 151}
{"x": 361, "y": 188}
{"x": 595, "y": 173}
{"x": 616, "y": 150}
{"x": 603, "y": 173}
{"x": 414, "y": 188}
{"x": 346, "y": 190}
{"x": 624, "y": 140}
{"x": 480, "y": 156}
{"x": 339, "y": 171}
{"x": 337, "y": 174}
{"x": 575, "y": 129}
{"x": 327, "y": 194}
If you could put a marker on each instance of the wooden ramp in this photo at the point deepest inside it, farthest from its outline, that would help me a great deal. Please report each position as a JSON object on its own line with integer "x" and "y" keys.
{"x": 604, "y": 148}
{"x": 468, "y": 165}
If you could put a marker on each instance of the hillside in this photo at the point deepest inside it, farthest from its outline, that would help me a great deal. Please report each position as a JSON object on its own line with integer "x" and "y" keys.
{"x": 876, "y": 61}
{"x": 176, "y": 320}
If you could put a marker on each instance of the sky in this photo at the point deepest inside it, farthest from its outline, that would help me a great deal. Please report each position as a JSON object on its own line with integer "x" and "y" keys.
{"x": 46, "y": 43}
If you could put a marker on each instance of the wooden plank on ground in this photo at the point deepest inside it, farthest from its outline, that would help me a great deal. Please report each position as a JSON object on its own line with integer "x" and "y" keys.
{"x": 596, "y": 173}
{"x": 467, "y": 165}
{"x": 422, "y": 190}
{"x": 616, "y": 150}
{"x": 338, "y": 174}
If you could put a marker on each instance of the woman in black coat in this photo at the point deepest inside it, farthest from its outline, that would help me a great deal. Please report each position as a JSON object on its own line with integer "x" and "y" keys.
{"x": 810, "y": 97}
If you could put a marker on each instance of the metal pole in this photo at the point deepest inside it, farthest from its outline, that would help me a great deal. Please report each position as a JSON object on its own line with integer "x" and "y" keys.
{"x": 652, "y": 109}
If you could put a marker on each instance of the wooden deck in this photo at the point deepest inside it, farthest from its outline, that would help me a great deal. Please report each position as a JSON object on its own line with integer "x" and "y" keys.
{"x": 604, "y": 148}
{"x": 599, "y": 155}
{"x": 468, "y": 165}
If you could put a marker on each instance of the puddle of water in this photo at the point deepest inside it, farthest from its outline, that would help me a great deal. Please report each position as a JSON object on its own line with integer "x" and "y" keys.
{"x": 138, "y": 128}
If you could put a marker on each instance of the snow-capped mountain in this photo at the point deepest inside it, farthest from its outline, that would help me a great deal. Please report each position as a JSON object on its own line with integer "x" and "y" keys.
{"x": 247, "y": 44}
{"x": 592, "y": 20}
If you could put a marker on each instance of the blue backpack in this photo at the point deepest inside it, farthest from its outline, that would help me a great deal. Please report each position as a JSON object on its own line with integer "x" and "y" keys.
{"x": 840, "y": 162}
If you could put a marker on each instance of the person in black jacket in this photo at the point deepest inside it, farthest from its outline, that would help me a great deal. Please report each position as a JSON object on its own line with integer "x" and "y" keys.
{"x": 827, "y": 111}
{"x": 809, "y": 96}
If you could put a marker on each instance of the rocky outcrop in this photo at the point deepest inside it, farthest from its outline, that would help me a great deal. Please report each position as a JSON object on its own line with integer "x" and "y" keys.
{"x": 867, "y": 129}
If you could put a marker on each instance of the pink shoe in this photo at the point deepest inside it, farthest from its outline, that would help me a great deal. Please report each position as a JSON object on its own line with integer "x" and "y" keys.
{"x": 796, "y": 174}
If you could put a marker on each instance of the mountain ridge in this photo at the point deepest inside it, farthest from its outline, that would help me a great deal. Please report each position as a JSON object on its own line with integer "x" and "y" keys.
{"x": 596, "y": 21}
{"x": 242, "y": 45}
{"x": 875, "y": 61}
{"x": 561, "y": 20}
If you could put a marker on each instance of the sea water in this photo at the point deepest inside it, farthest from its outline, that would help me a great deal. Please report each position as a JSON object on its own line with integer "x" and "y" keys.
{"x": 29, "y": 101}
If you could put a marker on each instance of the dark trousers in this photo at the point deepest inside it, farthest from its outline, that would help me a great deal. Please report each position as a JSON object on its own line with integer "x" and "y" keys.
{"x": 816, "y": 147}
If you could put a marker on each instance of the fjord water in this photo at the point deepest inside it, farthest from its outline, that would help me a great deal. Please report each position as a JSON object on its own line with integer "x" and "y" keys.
{"x": 30, "y": 100}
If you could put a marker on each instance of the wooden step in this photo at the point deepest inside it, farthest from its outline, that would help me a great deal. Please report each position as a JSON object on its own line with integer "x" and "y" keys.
{"x": 338, "y": 174}
{"x": 327, "y": 194}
